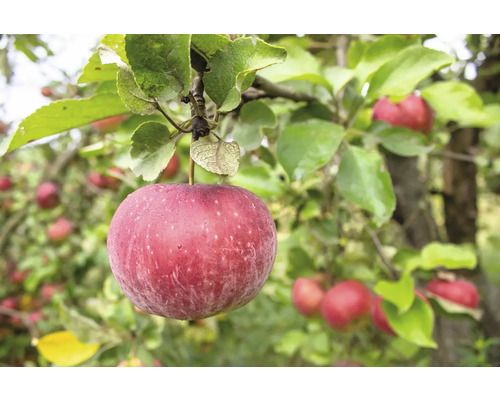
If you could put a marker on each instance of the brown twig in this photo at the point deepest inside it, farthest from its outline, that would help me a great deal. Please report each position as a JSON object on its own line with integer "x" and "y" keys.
{"x": 25, "y": 319}
{"x": 381, "y": 252}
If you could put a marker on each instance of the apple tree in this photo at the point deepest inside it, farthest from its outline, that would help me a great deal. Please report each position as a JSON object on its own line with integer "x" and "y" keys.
{"x": 323, "y": 200}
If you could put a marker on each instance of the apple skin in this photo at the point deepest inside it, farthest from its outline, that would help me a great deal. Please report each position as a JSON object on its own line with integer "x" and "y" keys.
{"x": 460, "y": 291}
{"x": 191, "y": 251}
{"x": 307, "y": 296}
{"x": 345, "y": 304}
{"x": 48, "y": 195}
{"x": 412, "y": 112}
{"x": 60, "y": 230}
{"x": 378, "y": 315}
{"x": 5, "y": 183}
{"x": 172, "y": 167}
{"x": 109, "y": 124}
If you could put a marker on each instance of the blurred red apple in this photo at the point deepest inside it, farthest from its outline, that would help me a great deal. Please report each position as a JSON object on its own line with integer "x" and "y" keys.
{"x": 5, "y": 183}
{"x": 172, "y": 167}
{"x": 60, "y": 230}
{"x": 3, "y": 128}
{"x": 109, "y": 124}
{"x": 412, "y": 112}
{"x": 98, "y": 180}
{"x": 19, "y": 276}
{"x": 191, "y": 251}
{"x": 307, "y": 296}
{"x": 48, "y": 290}
{"x": 47, "y": 195}
{"x": 46, "y": 91}
{"x": 10, "y": 302}
{"x": 459, "y": 291}
{"x": 35, "y": 316}
{"x": 345, "y": 305}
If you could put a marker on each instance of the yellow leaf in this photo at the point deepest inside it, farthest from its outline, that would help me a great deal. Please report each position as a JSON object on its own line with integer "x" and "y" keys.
{"x": 64, "y": 349}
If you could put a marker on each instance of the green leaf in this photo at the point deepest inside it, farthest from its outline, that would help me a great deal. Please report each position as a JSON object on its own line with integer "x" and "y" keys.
{"x": 403, "y": 72}
{"x": 161, "y": 64}
{"x": 451, "y": 256}
{"x": 207, "y": 45}
{"x": 404, "y": 142}
{"x": 64, "y": 349}
{"x": 151, "y": 150}
{"x": 63, "y": 115}
{"x": 455, "y": 101}
{"x": 304, "y": 147}
{"x": 415, "y": 325}
{"x": 291, "y": 342}
{"x": 96, "y": 71}
{"x": 299, "y": 65}
{"x": 491, "y": 135}
{"x": 232, "y": 71}
{"x": 407, "y": 258}
{"x": 300, "y": 263}
{"x": 130, "y": 93}
{"x": 116, "y": 42}
{"x": 355, "y": 53}
{"x": 399, "y": 293}
{"x": 377, "y": 54}
{"x": 338, "y": 77}
{"x": 362, "y": 181}
{"x": 254, "y": 115}
{"x": 222, "y": 158}
{"x": 259, "y": 180}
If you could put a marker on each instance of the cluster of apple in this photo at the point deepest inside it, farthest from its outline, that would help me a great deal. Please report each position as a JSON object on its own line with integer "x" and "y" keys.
{"x": 348, "y": 305}
{"x": 24, "y": 303}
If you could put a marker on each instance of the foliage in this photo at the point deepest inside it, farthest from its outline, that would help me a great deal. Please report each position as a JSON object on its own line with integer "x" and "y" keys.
{"x": 292, "y": 123}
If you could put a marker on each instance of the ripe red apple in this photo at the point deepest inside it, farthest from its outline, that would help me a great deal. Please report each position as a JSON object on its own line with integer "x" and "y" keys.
{"x": 460, "y": 291}
{"x": 307, "y": 296}
{"x": 18, "y": 276}
{"x": 46, "y": 91}
{"x": 345, "y": 305}
{"x": 378, "y": 315}
{"x": 98, "y": 180}
{"x": 60, "y": 230}
{"x": 412, "y": 112}
{"x": 172, "y": 167}
{"x": 47, "y": 195}
{"x": 191, "y": 251}
{"x": 109, "y": 124}
{"x": 5, "y": 183}
{"x": 48, "y": 290}
{"x": 35, "y": 316}
{"x": 10, "y": 302}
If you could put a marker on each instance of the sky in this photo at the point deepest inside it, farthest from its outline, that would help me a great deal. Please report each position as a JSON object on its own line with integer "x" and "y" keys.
{"x": 72, "y": 51}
